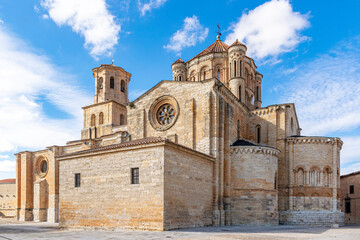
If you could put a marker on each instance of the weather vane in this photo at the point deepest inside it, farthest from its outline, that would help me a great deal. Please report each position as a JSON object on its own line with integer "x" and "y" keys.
{"x": 218, "y": 31}
{"x": 112, "y": 60}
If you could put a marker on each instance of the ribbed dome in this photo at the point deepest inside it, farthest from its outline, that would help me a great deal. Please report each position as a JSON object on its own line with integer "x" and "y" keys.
{"x": 217, "y": 47}
{"x": 179, "y": 61}
{"x": 237, "y": 43}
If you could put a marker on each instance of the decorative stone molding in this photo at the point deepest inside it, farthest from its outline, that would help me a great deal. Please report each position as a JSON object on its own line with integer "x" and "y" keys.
{"x": 314, "y": 140}
{"x": 41, "y": 166}
{"x": 163, "y": 113}
{"x": 255, "y": 150}
{"x": 265, "y": 111}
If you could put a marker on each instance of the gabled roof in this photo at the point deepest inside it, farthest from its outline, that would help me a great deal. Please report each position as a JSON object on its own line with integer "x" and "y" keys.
{"x": 217, "y": 47}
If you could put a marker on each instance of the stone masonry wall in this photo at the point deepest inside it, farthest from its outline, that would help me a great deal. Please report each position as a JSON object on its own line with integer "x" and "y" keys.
{"x": 253, "y": 181}
{"x": 7, "y": 199}
{"x": 106, "y": 197}
{"x": 352, "y": 217}
{"x": 188, "y": 189}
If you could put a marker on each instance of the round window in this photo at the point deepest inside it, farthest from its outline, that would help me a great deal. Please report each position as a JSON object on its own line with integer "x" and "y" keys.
{"x": 163, "y": 113}
{"x": 41, "y": 167}
{"x": 44, "y": 166}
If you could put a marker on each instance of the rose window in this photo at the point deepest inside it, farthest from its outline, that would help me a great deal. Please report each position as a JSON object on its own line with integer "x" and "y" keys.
{"x": 165, "y": 114}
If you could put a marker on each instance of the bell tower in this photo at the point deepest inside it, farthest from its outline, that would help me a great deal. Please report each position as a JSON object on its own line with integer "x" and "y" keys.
{"x": 111, "y": 83}
{"x": 110, "y": 101}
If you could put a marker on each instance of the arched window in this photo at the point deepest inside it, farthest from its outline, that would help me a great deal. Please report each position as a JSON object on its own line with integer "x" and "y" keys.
{"x": 234, "y": 68}
{"x": 179, "y": 78}
{"x": 327, "y": 177}
{"x": 112, "y": 83}
{"x": 292, "y": 125}
{"x": 204, "y": 75}
{"x": 192, "y": 76}
{"x": 300, "y": 177}
{"x": 314, "y": 177}
{"x": 240, "y": 93}
{"x": 230, "y": 69}
{"x": 238, "y": 129}
{"x": 100, "y": 83}
{"x": 122, "y": 86}
{"x": 122, "y": 119}
{"x": 218, "y": 74}
{"x": 258, "y": 133}
{"x": 93, "y": 118}
{"x": 240, "y": 68}
{"x": 101, "y": 118}
{"x": 257, "y": 93}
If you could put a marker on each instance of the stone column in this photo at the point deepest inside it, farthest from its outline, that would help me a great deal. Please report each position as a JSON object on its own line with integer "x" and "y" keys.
{"x": 216, "y": 153}
{"x": 18, "y": 185}
{"x": 291, "y": 173}
{"x": 221, "y": 161}
{"x": 227, "y": 164}
{"x": 334, "y": 166}
{"x": 26, "y": 203}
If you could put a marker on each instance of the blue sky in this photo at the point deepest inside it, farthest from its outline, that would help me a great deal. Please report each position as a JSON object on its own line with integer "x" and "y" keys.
{"x": 308, "y": 52}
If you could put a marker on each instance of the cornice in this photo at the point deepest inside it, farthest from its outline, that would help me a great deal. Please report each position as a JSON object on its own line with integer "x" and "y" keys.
{"x": 254, "y": 150}
{"x": 315, "y": 140}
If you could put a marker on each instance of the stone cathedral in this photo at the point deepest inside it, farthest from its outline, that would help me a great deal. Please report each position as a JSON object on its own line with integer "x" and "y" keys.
{"x": 196, "y": 151}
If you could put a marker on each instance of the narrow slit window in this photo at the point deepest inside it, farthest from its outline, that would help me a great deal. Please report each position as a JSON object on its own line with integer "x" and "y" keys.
{"x": 122, "y": 86}
{"x": 135, "y": 176}
{"x": 112, "y": 83}
{"x": 258, "y": 134}
{"x": 240, "y": 93}
{"x": 235, "y": 69}
{"x": 77, "y": 180}
{"x": 351, "y": 189}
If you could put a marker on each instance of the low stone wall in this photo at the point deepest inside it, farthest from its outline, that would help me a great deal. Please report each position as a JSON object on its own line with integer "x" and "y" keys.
{"x": 7, "y": 212}
{"x": 311, "y": 218}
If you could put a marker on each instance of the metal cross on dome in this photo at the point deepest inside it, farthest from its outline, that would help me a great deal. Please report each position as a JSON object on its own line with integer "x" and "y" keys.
{"x": 218, "y": 31}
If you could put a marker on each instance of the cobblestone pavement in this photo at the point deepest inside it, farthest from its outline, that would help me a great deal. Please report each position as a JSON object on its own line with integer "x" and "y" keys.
{"x": 10, "y": 229}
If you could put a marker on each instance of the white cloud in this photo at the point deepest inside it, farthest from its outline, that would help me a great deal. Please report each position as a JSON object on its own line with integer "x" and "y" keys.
{"x": 326, "y": 92}
{"x": 89, "y": 18}
{"x": 189, "y": 35}
{"x": 1, "y": 21}
{"x": 45, "y": 16}
{"x": 27, "y": 78}
{"x": 270, "y": 29}
{"x": 7, "y": 166}
{"x": 147, "y": 6}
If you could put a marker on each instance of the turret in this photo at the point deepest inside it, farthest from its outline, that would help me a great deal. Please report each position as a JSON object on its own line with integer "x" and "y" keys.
{"x": 179, "y": 70}
{"x": 236, "y": 54}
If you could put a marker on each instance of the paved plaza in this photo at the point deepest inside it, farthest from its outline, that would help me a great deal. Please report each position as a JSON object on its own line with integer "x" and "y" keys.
{"x": 11, "y": 229}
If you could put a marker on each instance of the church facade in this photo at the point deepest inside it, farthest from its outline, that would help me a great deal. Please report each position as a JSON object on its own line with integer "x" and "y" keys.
{"x": 198, "y": 150}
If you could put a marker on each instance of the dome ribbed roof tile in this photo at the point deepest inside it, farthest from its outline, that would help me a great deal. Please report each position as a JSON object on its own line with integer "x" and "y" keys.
{"x": 179, "y": 61}
{"x": 237, "y": 43}
{"x": 217, "y": 47}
